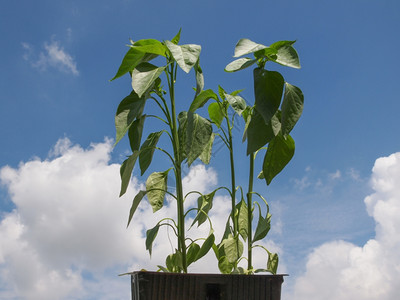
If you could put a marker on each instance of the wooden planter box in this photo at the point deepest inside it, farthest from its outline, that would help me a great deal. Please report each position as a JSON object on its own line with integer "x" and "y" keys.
{"x": 175, "y": 286}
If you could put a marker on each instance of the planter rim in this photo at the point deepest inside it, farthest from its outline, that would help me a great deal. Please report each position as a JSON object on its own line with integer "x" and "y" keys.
{"x": 203, "y": 274}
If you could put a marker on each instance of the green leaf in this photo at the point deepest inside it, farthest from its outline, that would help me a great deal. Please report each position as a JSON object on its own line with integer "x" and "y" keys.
{"x": 143, "y": 77}
{"x": 130, "y": 108}
{"x": 204, "y": 204}
{"x": 192, "y": 253}
{"x": 237, "y": 103}
{"x": 199, "y": 132}
{"x": 182, "y": 134}
{"x": 233, "y": 248}
{"x": 147, "y": 150}
{"x": 126, "y": 171}
{"x": 240, "y": 64}
{"x": 208, "y": 243}
{"x": 135, "y": 204}
{"x": 215, "y": 113}
{"x": 286, "y": 54}
{"x": 221, "y": 92}
{"x": 273, "y": 261}
{"x": 150, "y": 237}
{"x": 292, "y": 107}
{"x": 268, "y": 89}
{"x": 199, "y": 77}
{"x": 156, "y": 187}
{"x": 205, "y": 156}
{"x": 259, "y": 133}
{"x": 224, "y": 265}
{"x": 177, "y": 37}
{"x": 135, "y": 133}
{"x": 150, "y": 46}
{"x": 246, "y": 46}
{"x": 263, "y": 227}
{"x": 243, "y": 219}
{"x": 280, "y": 152}
{"x": 186, "y": 55}
{"x": 131, "y": 59}
{"x": 202, "y": 99}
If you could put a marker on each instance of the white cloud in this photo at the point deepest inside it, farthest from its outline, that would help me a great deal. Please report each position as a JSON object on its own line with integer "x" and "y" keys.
{"x": 67, "y": 236}
{"x": 340, "y": 270}
{"x": 53, "y": 55}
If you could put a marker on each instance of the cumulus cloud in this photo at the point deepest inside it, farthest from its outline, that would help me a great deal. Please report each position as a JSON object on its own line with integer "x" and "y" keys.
{"x": 67, "y": 236}
{"x": 53, "y": 55}
{"x": 342, "y": 271}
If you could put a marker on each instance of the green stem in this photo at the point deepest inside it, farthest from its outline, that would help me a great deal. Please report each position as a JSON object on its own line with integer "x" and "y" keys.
{"x": 178, "y": 171}
{"x": 249, "y": 216}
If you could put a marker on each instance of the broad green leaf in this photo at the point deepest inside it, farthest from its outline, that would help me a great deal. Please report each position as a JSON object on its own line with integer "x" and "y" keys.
{"x": 202, "y": 99}
{"x": 233, "y": 248}
{"x": 268, "y": 89}
{"x": 126, "y": 171}
{"x": 205, "y": 156}
{"x": 192, "y": 253}
{"x": 243, "y": 219}
{"x": 215, "y": 113}
{"x": 286, "y": 54}
{"x": 177, "y": 37}
{"x": 143, "y": 77}
{"x": 199, "y": 132}
{"x": 224, "y": 265}
{"x": 150, "y": 237}
{"x": 182, "y": 134}
{"x": 240, "y": 64}
{"x": 130, "y": 108}
{"x": 150, "y": 46}
{"x": 263, "y": 227}
{"x": 246, "y": 46}
{"x": 156, "y": 187}
{"x": 199, "y": 77}
{"x": 204, "y": 204}
{"x": 147, "y": 150}
{"x": 237, "y": 103}
{"x": 273, "y": 261}
{"x": 174, "y": 262}
{"x": 292, "y": 107}
{"x": 135, "y": 133}
{"x": 135, "y": 204}
{"x": 185, "y": 55}
{"x": 280, "y": 152}
{"x": 131, "y": 59}
{"x": 259, "y": 133}
{"x": 208, "y": 243}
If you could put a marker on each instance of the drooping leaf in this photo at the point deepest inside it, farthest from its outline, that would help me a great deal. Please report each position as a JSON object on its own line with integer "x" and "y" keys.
{"x": 292, "y": 107}
{"x": 128, "y": 110}
{"x": 135, "y": 203}
{"x": 199, "y": 78}
{"x": 202, "y": 99}
{"x": 263, "y": 227}
{"x": 246, "y": 46}
{"x": 233, "y": 248}
{"x": 206, "y": 246}
{"x": 135, "y": 133}
{"x": 185, "y": 55}
{"x": 215, "y": 113}
{"x": 240, "y": 64}
{"x": 143, "y": 77}
{"x": 273, "y": 261}
{"x": 147, "y": 150}
{"x": 150, "y": 237}
{"x": 280, "y": 152}
{"x": 286, "y": 54}
{"x": 243, "y": 219}
{"x": 259, "y": 133}
{"x": 205, "y": 156}
{"x": 192, "y": 253}
{"x": 237, "y": 103}
{"x": 126, "y": 171}
{"x": 204, "y": 204}
{"x": 199, "y": 132}
{"x": 268, "y": 89}
{"x": 156, "y": 187}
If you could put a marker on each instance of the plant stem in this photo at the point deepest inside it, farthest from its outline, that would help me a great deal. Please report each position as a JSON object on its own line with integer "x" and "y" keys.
{"x": 178, "y": 172}
{"x": 250, "y": 214}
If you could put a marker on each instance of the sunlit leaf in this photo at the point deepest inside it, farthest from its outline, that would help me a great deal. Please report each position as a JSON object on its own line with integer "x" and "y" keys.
{"x": 243, "y": 219}
{"x": 237, "y": 103}
{"x": 185, "y": 55}
{"x": 131, "y": 59}
{"x": 292, "y": 107}
{"x": 286, "y": 55}
{"x": 202, "y": 99}
{"x": 215, "y": 113}
{"x": 156, "y": 187}
{"x": 240, "y": 64}
{"x": 205, "y": 156}
{"x": 246, "y": 46}
{"x": 233, "y": 248}
{"x": 273, "y": 261}
{"x": 143, "y": 77}
{"x": 150, "y": 46}
{"x": 204, "y": 204}
{"x": 199, "y": 133}
{"x": 199, "y": 78}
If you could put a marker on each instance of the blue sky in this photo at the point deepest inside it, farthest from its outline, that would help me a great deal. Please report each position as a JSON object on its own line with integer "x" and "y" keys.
{"x": 56, "y": 104}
